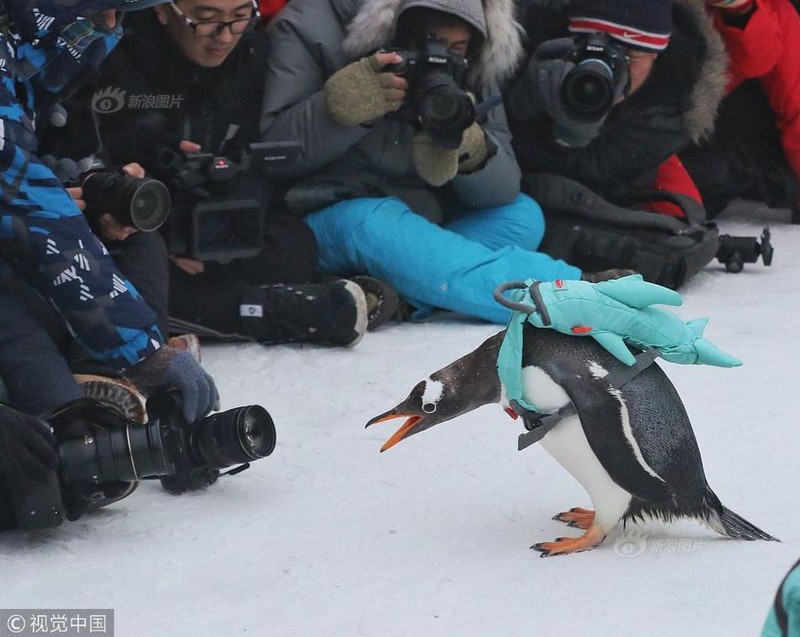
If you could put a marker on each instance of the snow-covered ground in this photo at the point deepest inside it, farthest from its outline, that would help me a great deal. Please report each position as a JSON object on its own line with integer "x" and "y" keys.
{"x": 329, "y": 537}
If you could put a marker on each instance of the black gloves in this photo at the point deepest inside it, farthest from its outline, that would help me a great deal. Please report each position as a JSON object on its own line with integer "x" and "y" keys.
{"x": 539, "y": 92}
{"x": 28, "y": 462}
{"x": 170, "y": 368}
{"x": 27, "y": 448}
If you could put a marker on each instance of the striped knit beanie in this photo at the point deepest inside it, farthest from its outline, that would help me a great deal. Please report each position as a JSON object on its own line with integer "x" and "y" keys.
{"x": 640, "y": 24}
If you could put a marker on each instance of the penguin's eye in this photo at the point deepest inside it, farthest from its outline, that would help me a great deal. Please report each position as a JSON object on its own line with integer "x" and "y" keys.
{"x": 429, "y": 408}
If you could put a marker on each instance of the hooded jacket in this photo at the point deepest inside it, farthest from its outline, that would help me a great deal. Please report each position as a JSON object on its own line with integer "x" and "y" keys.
{"x": 312, "y": 39}
{"x": 767, "y": 49}
{"x": 677, "y": 104}
{"x": 46, "y": 47}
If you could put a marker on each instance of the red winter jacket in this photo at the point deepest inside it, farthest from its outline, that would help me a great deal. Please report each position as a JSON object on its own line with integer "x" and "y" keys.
{"x": 270, "y": 8}
{"x": 768, "y": 48}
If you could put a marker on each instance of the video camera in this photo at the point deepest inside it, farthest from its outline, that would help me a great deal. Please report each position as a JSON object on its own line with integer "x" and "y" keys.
{"x": 210, "y": 222}
{"x": 734, "y": 252}
{"x": 588, "y": 91}
{"x": 118, "y": 451}
{"x": 436, "y": 99}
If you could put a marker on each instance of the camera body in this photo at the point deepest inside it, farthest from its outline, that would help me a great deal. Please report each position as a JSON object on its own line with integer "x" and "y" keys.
{"x": 132, "y": 201}
{"x": 588, "y": 91}
{"x": 436, "y": 97}
{"x": 211, "y": 221}
{"x": 118, "y": 451}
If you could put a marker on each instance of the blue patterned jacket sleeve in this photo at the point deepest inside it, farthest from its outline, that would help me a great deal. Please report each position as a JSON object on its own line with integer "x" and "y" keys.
{"x": 43, "y": 235}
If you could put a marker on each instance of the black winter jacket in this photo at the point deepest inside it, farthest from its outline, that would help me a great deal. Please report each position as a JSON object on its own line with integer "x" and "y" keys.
{"x": 165, "y": 92}
{"x": 676, "y": 104}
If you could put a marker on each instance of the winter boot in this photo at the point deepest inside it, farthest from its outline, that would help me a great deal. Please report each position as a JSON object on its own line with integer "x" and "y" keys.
{"x": 382, "y": 300}
{"x": 332, "y": 313}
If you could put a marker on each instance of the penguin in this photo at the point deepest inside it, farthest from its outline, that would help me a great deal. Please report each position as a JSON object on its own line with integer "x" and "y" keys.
{"x": 632, "y": 447}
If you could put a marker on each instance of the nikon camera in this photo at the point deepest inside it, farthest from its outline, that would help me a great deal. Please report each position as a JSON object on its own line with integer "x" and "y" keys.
{"x": 588, "y": 91}
{"x": 435, "y": 77}
{"x": 118, "y": 451}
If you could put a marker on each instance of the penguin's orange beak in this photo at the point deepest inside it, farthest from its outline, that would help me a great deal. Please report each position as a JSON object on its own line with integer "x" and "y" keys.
{"x": 410, "y": 426}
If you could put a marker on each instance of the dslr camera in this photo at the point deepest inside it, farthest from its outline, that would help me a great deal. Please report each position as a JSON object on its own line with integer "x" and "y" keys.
{"x": 212, "y": 219}
{"x": 588, "y": 91}
{"x": 132, "y": 201}
{"x": 118, "y": 451}
{"x": 436, "y": 99}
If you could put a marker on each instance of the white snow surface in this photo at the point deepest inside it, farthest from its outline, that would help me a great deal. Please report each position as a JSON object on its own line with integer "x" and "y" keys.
{"x": 329, "y": 537}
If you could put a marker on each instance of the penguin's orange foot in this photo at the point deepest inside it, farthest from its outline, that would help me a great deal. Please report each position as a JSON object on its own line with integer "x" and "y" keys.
{"x": 564, "y": 545}
{"x": 577, "y": 517}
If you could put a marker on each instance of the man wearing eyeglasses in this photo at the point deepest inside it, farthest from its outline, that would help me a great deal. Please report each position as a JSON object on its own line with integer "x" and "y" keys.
{"x": 207, "y": 32}
{"x": 200, "y": 90}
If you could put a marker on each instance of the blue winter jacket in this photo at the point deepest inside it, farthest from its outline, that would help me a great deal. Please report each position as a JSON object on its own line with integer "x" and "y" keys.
{"x": 45, "y": 50}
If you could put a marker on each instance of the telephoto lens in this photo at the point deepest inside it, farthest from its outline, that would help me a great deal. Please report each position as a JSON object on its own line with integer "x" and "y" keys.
{"x": 121, "y": 451}
{"x": 231, "y": 437}
{"x": 143, "y": 203}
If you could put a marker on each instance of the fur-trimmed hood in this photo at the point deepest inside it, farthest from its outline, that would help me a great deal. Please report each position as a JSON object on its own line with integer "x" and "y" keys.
{"x": 374, "y": 25}
{"x": 709, "y": 89}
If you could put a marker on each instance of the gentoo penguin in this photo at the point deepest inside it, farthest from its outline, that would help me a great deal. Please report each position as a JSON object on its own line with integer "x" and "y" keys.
{"x": 632, "y": 447}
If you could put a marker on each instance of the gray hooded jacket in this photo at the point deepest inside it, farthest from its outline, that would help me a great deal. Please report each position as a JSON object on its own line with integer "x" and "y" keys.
{"x": 312, "y": 39}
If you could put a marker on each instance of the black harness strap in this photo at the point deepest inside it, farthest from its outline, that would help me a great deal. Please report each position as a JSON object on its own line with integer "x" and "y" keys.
{"x": 538, "y": 424}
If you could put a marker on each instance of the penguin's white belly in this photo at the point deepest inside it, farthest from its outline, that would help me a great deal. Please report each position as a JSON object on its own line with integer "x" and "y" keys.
{"x": 568, "y": 445}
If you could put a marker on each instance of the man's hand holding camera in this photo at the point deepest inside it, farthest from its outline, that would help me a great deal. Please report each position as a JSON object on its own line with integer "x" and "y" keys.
{"x": 105, "y": 223}
{"x": 363, "y": 91}
{"x": 170, "y": 368}
{"x": 549, "y": 86}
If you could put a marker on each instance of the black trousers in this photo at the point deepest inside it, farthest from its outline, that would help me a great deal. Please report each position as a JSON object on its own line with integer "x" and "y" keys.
{"x": 744, "y": 158}
{"x": 33, "y": 369}
{"x": 211, "y": 299}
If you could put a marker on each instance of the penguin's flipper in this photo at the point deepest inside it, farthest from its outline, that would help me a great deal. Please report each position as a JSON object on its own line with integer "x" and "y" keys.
{"x": 576, "y": 517}
{"x": 564, "y": 545}
{"x": 606, "y": 422}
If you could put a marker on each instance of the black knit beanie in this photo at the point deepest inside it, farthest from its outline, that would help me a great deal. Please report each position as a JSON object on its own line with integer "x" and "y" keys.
{"x": 639, "y": 24}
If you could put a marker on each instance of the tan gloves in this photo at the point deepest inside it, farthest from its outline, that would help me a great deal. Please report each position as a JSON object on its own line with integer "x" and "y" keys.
{"x": 360, "y": 93}
{"x": 438, "y": 165}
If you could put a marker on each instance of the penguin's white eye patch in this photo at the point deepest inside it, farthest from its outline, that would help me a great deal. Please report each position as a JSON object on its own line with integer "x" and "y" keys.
{"x": 434, "y": 390}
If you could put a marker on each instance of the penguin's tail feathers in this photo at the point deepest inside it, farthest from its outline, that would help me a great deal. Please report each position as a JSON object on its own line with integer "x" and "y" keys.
{"x": 735, "y": 526}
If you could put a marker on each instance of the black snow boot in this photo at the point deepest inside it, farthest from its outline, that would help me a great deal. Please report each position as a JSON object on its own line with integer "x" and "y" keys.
{"x": 333, "y": 313}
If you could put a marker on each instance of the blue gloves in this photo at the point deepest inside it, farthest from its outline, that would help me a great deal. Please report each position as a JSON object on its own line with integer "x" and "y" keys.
{"x": 618, "y": 311}
{"x": 170, "y": 368}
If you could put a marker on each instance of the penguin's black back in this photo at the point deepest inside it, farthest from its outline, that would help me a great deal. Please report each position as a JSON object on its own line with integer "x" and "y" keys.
{"x": 657, "y": 416}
